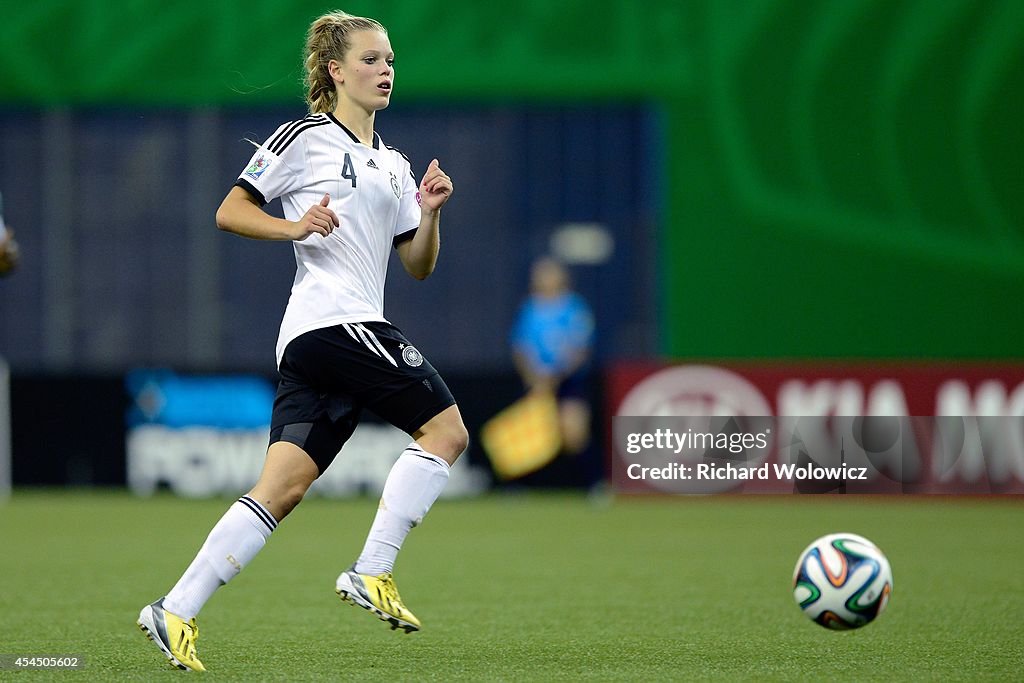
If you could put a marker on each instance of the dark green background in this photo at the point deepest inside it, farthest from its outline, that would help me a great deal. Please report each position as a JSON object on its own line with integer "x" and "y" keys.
{"x": 843, "y": 178}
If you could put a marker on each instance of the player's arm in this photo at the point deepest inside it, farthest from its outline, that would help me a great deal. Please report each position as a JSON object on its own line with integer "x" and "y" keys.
{"x": 240, "y": 213}
{"x": 419, "y": 255}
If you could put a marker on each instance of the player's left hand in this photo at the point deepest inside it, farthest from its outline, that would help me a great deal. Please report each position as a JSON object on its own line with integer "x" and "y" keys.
{"x": 435, "y": 188}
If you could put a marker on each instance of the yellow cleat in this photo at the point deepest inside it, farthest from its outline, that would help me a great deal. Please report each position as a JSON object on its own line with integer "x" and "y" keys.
{"x": 379, "y": 595}
{"x": 175, "y": 637}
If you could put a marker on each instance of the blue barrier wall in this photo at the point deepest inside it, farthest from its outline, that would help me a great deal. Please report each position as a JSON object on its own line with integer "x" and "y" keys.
{"x": 123, "y": 266}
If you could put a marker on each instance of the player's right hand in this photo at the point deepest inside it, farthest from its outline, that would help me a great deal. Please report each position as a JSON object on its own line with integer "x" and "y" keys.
{"x": 317, "y": 220}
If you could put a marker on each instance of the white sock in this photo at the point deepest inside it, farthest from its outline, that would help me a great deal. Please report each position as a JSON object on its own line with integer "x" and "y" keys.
{"x": 415, "y": 482}
{"x": 233, "y": 542}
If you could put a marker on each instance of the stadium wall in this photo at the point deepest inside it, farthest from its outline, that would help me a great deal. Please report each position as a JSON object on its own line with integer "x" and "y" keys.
{"x": 123, "y": 266}
{"x": 841, "y": 179}
{"x": 201, "y": 435}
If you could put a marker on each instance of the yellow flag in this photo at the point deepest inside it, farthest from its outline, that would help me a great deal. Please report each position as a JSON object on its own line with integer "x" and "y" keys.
{"x": 523, "y": 437}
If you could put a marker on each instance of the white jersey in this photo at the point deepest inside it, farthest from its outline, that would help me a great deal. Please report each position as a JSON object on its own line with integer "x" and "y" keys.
{"x": 339, "y": 278}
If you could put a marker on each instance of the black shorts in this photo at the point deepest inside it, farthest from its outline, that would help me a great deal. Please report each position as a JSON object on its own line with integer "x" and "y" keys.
{"x": 329, "y": 375}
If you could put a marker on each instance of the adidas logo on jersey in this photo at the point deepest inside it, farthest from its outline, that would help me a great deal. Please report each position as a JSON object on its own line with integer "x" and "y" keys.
{"x": 371, "y": 164}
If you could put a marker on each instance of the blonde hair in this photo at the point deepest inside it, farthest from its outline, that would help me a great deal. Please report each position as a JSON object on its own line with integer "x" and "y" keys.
{"x": 329, "y": 38}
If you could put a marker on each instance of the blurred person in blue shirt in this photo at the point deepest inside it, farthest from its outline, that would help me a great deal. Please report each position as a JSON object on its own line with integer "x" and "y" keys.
{"x": 551, "y": 343}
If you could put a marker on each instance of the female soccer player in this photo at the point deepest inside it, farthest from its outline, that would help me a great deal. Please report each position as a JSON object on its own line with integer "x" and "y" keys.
{"x": 348, "y": 200}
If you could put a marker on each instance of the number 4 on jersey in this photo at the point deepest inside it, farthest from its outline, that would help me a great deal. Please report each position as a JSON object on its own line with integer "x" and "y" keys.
{"x": 347, "y": 171}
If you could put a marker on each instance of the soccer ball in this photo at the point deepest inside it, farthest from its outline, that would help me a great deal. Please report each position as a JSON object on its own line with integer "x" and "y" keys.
{"x": 842, "y": 581}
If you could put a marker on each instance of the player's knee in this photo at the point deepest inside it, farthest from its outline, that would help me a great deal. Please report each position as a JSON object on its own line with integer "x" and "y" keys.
{"x": 451, "y": 438}
{"x": 291, "y": 497}
{"x": 444, "y": 435}
{"x": 459, "y": 439}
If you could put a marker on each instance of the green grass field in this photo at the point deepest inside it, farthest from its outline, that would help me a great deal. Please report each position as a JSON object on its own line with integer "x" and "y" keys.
{"x": 533, "y": 587}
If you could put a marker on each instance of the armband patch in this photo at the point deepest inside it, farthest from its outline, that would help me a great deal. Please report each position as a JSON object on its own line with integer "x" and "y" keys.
{"x": 258, "y": 166}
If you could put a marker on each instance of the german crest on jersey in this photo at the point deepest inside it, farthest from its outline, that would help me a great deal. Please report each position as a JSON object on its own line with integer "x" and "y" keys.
{"x": 412, "y": 356}
{"x": 394, "y": 185}
{"x": 258, "y": 166}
